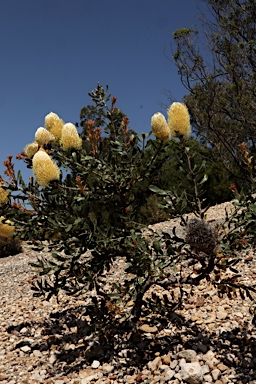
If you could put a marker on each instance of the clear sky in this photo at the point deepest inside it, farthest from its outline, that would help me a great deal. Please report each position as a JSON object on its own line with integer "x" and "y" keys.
{"x": 53, "y": 52}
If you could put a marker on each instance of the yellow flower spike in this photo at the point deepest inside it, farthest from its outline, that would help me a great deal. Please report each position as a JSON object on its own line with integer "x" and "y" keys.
{"x": 179, "y": 120}
{"x": 31, "y": 149}
{"x": 160, "y": 127}
{"x": 43, "y": 136}
{"x": 3, "y": 195}
{"x": 45, "y": 170}
{"x": 70, "y": 137}
{"x": 6, "y": 229}
{"x": 54, "y": 124}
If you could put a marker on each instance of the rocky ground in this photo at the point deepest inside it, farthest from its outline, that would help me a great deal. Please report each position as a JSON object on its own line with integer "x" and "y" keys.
{"x": 211, "y": 340}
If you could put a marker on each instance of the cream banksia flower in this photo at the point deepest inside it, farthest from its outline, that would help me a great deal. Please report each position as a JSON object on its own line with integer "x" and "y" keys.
{"x": 43, "y": 136}
{"x": 54, "y": 124}
{"x": 70, "y": 137}
{"x": 31, "y": 149}
{"x": 160, "y": 127}
{"x": 179, "y": 120}
{"x": 45, "y": 170}
{"x": 6, "y": 229}
{"x": 3, "y": 195}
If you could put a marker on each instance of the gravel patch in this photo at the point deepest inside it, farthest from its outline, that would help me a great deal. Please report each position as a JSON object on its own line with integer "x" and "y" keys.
{"x": 211, "y": 340}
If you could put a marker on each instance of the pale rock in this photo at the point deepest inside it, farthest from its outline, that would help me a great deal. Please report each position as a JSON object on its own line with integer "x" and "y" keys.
{"x": 91, "y": 378}
{"x": 208, "y": 378}
{"x": 53, "y": 358}
{"x": 173, "y": 364}
{"x": 221, "y": 315}
{"x": 166, "y": 359}
{"x": 37, "y": 377}
{"x": 187, "y": 354}
{"x": 205, "y": 369}
{"x": 163, "y": 367}
{"x": 148, "y": 329}
{"x": 177, "y": 376}
{"x": 95, "y": 364}
{"x": 210, "y": 319}
{"x": 215, "y": 374}
{"x": 222, "y": 367}
{"x": 25, "y": 349}
{"x": 191, "y": 373}
{"x": 155, "y": 364}
{"x": 107, "y": 367}
{"x": 169, "y": 374}
{"x": 37, "y": 353}
{"x": 182, "y": 362}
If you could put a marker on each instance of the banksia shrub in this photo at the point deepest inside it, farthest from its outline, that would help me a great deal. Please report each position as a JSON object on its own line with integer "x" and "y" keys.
{"x": 160, "y": 127}
{"x": 89, "y": 217}
{"x": 179, "y": 120}
{"x": 44, "y": 169}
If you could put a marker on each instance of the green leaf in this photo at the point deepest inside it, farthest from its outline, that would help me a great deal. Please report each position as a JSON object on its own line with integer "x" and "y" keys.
{"x": 68, "y": 228}
{"x": 157, "y": 246}
{"x": 157, "y": 190}
{"x": 74, "y": 156}
{"x": 204, "y": 179}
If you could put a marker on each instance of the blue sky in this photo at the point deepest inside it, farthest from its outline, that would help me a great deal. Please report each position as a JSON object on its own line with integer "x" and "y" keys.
{"x": 53, "y": 52}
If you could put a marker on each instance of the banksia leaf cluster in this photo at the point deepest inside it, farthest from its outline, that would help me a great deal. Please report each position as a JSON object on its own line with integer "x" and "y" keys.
{"x": 44, "y": 169}
{"x": 70, "y": 137}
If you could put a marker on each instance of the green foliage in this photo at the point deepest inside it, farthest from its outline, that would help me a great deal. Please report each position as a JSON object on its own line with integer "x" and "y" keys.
{"x": 221, "y": 80}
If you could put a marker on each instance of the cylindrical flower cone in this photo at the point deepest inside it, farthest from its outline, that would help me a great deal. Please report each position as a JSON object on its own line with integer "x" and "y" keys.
{"x": 160, "y": 127}
{"x": 31, "y": 149}
{"x": 54, "y": 124}
{"x": 45, "y": 170}
{"x": 43, "y": 136}
{"x": 179, "y": 120}
{"x": 3, "y": 195}
{"x": 6, "y": 229}
{"x": 70, "y": 137}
